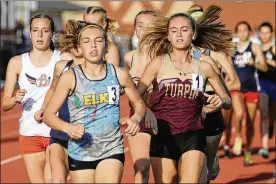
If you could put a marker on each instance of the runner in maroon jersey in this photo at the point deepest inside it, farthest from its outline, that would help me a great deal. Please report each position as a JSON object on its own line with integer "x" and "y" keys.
{"x": 178, "y": 92}
{"x": 135, "y": 62}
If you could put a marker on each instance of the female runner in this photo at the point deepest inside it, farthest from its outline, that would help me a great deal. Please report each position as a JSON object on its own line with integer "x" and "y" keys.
{"x": 268, "y": 86}
{"x": 214, "y": 122}
{"x": 98, "y": 15}
{"x": 177, "y": 151}
{"x": 135, "y": 62}
{"x": 247, "y": 57}
{"x": 59, "y": 140}
{"x": 34, "y": 73}
{"x": 96, "y": 152}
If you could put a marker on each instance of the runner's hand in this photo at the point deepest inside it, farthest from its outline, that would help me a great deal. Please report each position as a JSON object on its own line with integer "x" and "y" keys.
{"x": 39, "y": 115}
{"x": 19, "y": 95}
{"x": 214, "y": 99}
{"x": 151, "y": 122}
{"x": 74, "y": 131}
{"x": 133, "y": 126}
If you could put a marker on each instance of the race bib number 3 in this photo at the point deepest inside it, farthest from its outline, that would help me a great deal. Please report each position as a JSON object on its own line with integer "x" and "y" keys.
{"x": 113, "y": 94}
{"x": 197, "y": 82}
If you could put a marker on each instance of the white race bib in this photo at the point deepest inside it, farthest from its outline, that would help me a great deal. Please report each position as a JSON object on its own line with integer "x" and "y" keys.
{"x": 197, "y": 82}
{"x": 113, "y": 94}
{"x": 268, "y": 55}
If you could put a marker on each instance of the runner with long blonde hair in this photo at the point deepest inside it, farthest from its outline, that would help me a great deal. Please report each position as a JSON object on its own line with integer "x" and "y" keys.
{"x": 98, "y": 15}
{"x": 135, "y": 62}
{"x": 177, "y": 151}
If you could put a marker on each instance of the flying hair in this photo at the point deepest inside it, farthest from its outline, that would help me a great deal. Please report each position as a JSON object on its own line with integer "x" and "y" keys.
{"x": 74, "y": 29}
{"x": 208, "y": 33}
{"x": 112, "y": 26}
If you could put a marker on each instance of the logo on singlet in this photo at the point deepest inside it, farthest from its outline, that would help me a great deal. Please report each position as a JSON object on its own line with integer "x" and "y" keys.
{"x": 111, "y": 97}
{"x": 42, "y": 81}
{"x": 241, "y": 60}
{"x": 178, "y": 90}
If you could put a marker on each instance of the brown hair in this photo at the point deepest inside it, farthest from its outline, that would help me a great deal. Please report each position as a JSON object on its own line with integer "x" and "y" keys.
{"x": 244, "y": 23}
{"x": 146, "y": 12}
{"x": 112, "y": 26}
{"x": 208, "y": 34}
{"x": 74, "y": 28}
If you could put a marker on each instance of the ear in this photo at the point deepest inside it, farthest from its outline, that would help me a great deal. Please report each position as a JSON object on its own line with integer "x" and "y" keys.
{"x": 79, "y": 49}
{"x": 104, "y": 24}
{"x": 106, "y": 47}
{"x": 168, "y": 38}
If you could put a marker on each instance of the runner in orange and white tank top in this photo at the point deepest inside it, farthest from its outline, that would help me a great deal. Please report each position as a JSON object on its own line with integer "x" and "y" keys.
{"x": 136, "y": 62}
{"x": 34, "y": 73}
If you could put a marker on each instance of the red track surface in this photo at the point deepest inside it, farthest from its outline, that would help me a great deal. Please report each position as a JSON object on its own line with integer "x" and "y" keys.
{"x": 232, "y": 170}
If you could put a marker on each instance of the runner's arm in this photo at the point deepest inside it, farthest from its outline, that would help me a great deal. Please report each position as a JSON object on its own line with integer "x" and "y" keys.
{"x": 132, "y": 93}
{"x": 65, "y": 86}
{"x": 272, "y": 62}
{"x": 127, "y": 59}
{"x": 57, "y": 73}
{"x": 260, "y": 64}
{"x": 12, "y": 73}
{"x": 149, "y": 75}
{"x": 233, "y": 82}
{"x": 216, "y": 84}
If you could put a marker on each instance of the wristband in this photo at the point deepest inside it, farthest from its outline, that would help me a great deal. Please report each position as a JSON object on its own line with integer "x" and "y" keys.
{"x": 225, "y": 102}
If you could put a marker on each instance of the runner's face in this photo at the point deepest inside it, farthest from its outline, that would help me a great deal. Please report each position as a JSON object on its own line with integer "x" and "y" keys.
{"x": 265, "y": 34}
{"x": 92, "y": 44}
{"x": 243, "y": 32}
{"x": 180, "y": 32}
{"x": 40, "y": 33}
{"x": 142, "y": 21}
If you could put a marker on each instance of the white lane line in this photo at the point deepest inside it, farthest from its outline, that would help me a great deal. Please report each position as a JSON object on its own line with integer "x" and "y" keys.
{"x": 19, "y": 157}
{"x": 11, "y": 159}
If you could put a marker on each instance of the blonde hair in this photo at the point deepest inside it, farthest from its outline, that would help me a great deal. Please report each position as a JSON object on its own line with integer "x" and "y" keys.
{"x": 195, "y": 11}
{"x": 208, "y": 33}
{"x": 195, "y": 8}
{"x": 74, "y": 29}
{"x": 145, "y": 12}
{"x": 112, "y": 26}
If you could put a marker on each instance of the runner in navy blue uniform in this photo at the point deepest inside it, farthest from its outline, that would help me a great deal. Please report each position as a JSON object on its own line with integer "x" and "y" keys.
{"x": 247, "y": 57}
{"x": 268, "y": 86}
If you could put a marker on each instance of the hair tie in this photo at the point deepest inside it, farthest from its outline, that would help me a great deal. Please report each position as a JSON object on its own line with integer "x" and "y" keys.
{"x": 96, "y": 26}
{"x": 196, "y": 15}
